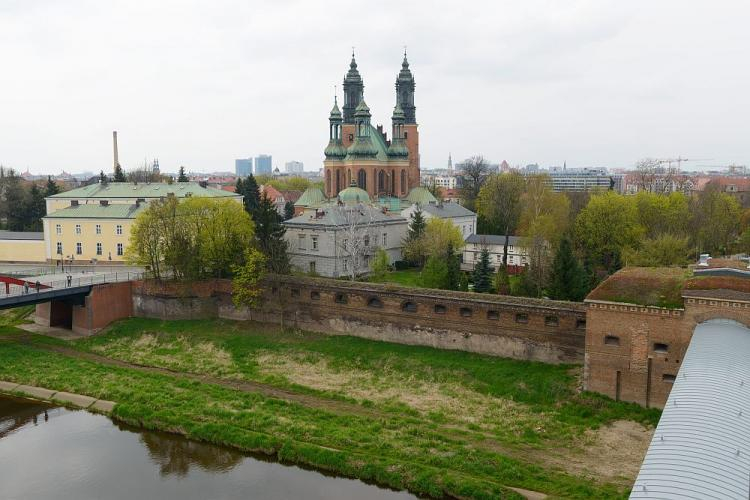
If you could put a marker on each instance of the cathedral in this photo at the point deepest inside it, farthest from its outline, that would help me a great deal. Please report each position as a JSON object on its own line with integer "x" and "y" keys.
{"x": 359, "y": 154}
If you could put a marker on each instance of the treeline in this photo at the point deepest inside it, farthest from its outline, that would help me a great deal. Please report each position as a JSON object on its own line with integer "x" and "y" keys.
{"x": 199, "y": 238}
{"x": 576, "y": 239}
{"x": 22, "y": 203}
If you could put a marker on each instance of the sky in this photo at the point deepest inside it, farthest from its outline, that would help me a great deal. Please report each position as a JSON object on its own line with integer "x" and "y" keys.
{"x": 200, "y": 83}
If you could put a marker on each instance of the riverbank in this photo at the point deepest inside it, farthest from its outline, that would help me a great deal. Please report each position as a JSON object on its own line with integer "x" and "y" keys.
{"x": 433, "y": 422}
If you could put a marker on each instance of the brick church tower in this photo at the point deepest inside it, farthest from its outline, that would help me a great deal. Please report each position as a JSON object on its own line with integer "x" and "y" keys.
{"x": 361, "y": 155}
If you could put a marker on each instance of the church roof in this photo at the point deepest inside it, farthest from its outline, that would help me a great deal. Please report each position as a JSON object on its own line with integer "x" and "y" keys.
{"x": 335, "y": 111}
{"x": 312, "y": 196}
{"x": 354, "y": 194}
{"x": 421, "y": 195}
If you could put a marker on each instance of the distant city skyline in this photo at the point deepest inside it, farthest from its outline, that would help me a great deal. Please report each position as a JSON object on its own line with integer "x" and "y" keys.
{"x": 598, "y": 84}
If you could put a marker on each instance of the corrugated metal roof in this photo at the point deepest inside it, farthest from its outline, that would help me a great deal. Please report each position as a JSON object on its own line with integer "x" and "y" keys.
{"x": 97, "y": 211}
{"x": 493, "y": 239}
{"x": 143, "y": 190}
{"x": 701, "y": 447}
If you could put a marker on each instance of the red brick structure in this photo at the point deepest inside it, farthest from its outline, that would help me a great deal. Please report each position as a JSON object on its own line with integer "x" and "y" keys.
{"x": 633, "y": 352}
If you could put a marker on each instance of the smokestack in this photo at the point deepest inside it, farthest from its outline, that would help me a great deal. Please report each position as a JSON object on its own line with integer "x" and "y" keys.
{"x": 114, "y": 145}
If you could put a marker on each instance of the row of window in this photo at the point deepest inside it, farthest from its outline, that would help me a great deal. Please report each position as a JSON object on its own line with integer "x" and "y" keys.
{"x": 659, "y": 347}
{"x": 409, "y": 306}
{"x": 302, "y": 241}
{"x": 99, "y": 249}
{"x": 97, "y": 229}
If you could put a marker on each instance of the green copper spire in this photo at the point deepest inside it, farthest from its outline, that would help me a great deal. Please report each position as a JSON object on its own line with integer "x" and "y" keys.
{"x": 354, "y": 89}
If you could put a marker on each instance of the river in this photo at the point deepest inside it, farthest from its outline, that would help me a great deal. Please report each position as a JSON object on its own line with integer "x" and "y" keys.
{"x": 49, "y": 452}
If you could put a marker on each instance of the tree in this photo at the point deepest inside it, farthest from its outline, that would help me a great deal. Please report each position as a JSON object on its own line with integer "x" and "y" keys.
{"x": 568, "y": 279}
{"x": 355, "y": 223}
{"x": 440, "y": 236}
{"x": 248, "y": 188}
{"x": 413, "y": 248}
{"x": 248, "y": 276}
{"x": 417, "y": 224}
{"x": 606, "y": 227}
{"x": 119, "y": 175}
{"x": 715, "y": 220}
{"x": 103, "y": 179}
{"x": 435, "y": 273}
{"x": 663, "y": 214}
{"x": 181, "y": 177}
{"x": 663, "y": 250}
{"x": 380, "y": 266}
{"x": 474, "y": 172}
{"x": 35, "y": 209}
{"x": 288, "y": 210}
{"x": 435, "y": 190}
{"x": 502, "y": 280}
{"x": 14, "y": 202}
{"x": 544, "y": 213}
{"x": 483, "y": 273}
{"x": 453, "y": 261}
{"x": 499, "y": 204}
{"x": 51, "y": 188}
{"x": 269, "y": 236}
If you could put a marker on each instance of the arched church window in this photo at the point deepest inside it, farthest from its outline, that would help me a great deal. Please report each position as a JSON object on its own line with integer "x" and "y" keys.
{"x": 381, "y": 181}
{"x": 328, "y": 182}
{"x": 362, "y": 179}
{"x": 338, "y": 181}
{"x": 403, "y": 182}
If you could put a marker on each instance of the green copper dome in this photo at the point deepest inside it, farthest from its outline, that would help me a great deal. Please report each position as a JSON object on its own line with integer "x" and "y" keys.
{"x": 353, "y": 194}
{"x": 335, "y": 150}
{"x": 421, "y": 195}
{"x": 311, "y": 197}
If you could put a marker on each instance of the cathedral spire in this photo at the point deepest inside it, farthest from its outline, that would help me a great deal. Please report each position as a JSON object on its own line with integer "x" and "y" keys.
{"x": 405, "y": 91}
{"x": 354, "y": 89}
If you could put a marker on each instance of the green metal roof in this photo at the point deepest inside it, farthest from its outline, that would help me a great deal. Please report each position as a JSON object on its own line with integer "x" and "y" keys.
{"x": 312, "y": 196}
{"x": 354, "y": 194}
{"x": 97, "y": 211}
{"x": 421, "y": 195}
{"x": 143, "y": 190}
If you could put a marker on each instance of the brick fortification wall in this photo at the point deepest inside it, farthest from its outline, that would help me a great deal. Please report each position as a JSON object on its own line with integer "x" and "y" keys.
{"x": 528, "y": 329}
{"x": 105, "y": 304}
{"x": 634, "y": 352}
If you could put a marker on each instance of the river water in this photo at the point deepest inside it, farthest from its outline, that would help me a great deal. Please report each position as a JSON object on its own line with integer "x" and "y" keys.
{"x": 48, "y": 452}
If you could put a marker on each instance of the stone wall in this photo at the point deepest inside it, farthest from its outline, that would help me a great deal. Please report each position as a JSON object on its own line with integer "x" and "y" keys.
{"x": 528, "y": 329}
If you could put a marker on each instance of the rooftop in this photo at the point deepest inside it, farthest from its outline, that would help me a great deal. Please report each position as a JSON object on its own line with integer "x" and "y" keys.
{"x": 492, "y": 239}
{"x": 339, "y": 215}
{"x": 446, "y": 210}
{"x": 143, "y": 190}
{"x": 21, "y": 235}
{"x": 97, "y": 211}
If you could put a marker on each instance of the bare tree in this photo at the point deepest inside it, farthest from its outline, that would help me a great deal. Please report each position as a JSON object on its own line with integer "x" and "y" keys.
{"x": 474, "y": 172}
{"x": 356, "y": 240}
{"x": 144, "y": 173}
{"x": 652, "y": 177}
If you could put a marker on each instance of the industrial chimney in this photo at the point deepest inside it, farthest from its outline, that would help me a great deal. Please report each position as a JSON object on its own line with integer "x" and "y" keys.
{"x": 114, "y": 145}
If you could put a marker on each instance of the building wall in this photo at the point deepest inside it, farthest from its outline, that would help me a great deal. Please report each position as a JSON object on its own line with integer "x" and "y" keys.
{"x": 106, "y": 303}
{"x": 467, "y": 224}
{"x": 651, "y": 343}
{"x": 87, "y": 237}
{"x": 550, "y": 331}
{"x": 517, "y": 255}
{"x": 22, "y": 251}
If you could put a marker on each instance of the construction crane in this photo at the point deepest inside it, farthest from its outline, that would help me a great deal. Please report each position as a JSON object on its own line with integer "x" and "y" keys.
{"x": 678, "y": 161}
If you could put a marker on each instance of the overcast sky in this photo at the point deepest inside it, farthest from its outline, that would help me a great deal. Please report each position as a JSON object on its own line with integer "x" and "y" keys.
{"x": 200, "y": 83}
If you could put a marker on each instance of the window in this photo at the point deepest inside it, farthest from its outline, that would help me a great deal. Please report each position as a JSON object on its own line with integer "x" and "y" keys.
{"x": 465, "y": 312}
{"x": 385, "y": 240}
{"x": 79, "y": 248}
{"x": 409, "y": 307}
{"x": 581, "y": 324}
{"x": 668, "y": 377}
{"x": 341, "y": 298}
{"x": 440, "y": 309}
{"x": 295, "y": 292}
{"x": 314, "y": 242}
{"x": 58, "y": 229}
{"x": 119, "y": 249}
{"x": 98, "y": 249}
{"x": 551, "y": 321}
{"x": 315, "y": 295}
{"x": 312, "y": 267}
{"x": 78, "y": 229}
{"x": 611, "y": 340}
{"x": 274, "y": 290}
{"x": 661, "y": 348}
{"x": 493, "y": 315}
{"x": 98, "y": 229}
{"x": 59, "y": 248}
{"x": 302, "y": 242}
{"x": 118, "y": 230}
{"x": 522, "y": 318}
{"x": 367, "y": 240}
{"x": 374, "y": 302}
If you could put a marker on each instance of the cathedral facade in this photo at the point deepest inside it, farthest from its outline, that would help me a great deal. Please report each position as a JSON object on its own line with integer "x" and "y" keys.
{"x": 359, "y": 154}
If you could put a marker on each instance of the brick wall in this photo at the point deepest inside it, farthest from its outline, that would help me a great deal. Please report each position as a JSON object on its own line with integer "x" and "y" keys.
{"x": 105, "y": 304}
{"x": 529, "y": 329}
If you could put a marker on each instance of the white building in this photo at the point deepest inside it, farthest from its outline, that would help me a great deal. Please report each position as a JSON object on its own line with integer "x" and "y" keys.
{"x": 461, "y": 217}
{"x": 340, "y": 238}
{"x": 294, "y": 167}
{"x": 518, "y": 254}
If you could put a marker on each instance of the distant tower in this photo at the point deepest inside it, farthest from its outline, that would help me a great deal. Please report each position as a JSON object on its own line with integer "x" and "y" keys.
{"x": 450, "y": 163}
{"x": 405, "y": 92}
{"x": 114, "y": 147}
{"x": 155, "y": 166}
{"x": 354, "y": 89}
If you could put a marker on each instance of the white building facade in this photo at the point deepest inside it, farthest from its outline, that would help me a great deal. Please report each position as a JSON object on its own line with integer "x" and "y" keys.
{"x": 518, "y": 253}
{"x": 461, "y": 217}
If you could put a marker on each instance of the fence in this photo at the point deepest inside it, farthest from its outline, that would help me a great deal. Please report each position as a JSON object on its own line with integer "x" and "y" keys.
{"x": 76, "y": 281}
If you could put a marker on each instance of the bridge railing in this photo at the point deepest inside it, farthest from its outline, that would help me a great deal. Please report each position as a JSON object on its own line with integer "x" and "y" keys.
{"x": 73, "y": 282}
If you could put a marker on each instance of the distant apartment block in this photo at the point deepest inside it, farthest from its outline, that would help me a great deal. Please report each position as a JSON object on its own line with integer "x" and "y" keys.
{"x": 243, "y": 167}
{"x": 584, "y": 179}
{"x": 294, "y": 167}
{"x": 263, "y": 164}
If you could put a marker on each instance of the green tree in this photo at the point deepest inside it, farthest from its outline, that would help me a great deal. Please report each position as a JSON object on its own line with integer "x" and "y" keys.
{"x": 435, "y": 273}
{"x": 248, "y": 188}
{"x": 51, "y": 188}
{"x": 663, "y": 250}
{"x": 413, "y": 248}
{"x": 14, "y": 202}
{"x": 502, "y": 280}
{"x": 269, "y": 236}
{"x": 119, "y": 175}
{"x": 288, "y": 210}
{"x": 568, "y": 280}
{"x": 474, "y": 172}
{"x": 35, "y": 209}
{"x": 663, "y": 214}
{"x": 181, "y": 177}
{"x": 439, "y": 236}
{"x": 103, "y": 179}
{"x": 246, "y": 284}
{"x": 483, "y": 273}
{"x": 380, "y": 266}
{"x": 715, "y": 220}
{"x": 499, "y": 204}
{"x": 453, "y": 278}
{"x": 417, "y": 224}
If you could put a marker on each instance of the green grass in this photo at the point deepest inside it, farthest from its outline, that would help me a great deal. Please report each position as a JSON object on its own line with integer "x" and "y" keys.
{"x": 406, "y": 277}
{"x": 435, "y": 421}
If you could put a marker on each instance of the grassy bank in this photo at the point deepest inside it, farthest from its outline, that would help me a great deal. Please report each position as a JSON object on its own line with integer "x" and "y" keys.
{"x": 426, "y": 420}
